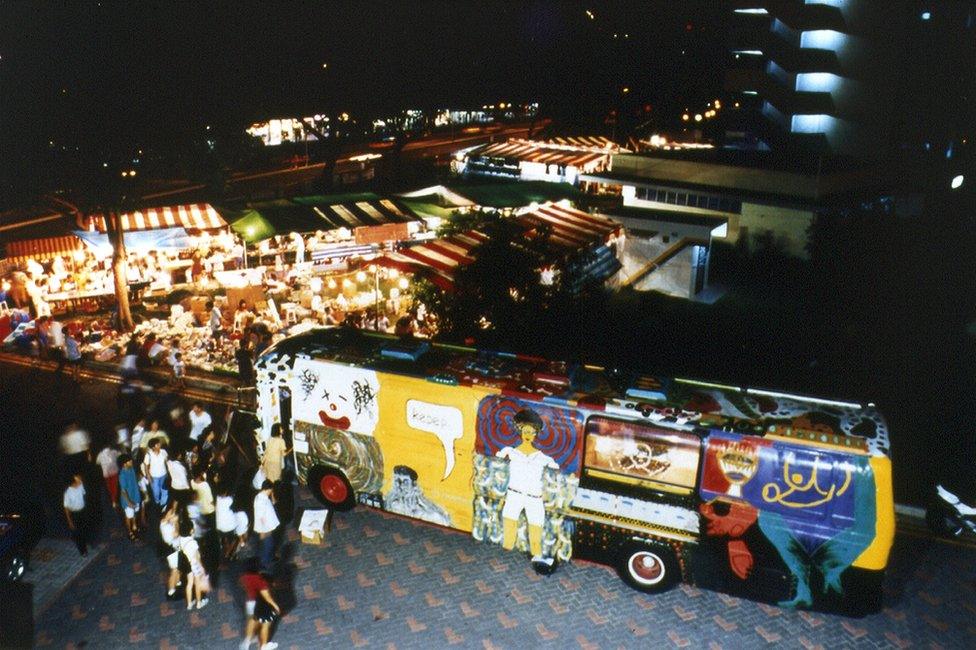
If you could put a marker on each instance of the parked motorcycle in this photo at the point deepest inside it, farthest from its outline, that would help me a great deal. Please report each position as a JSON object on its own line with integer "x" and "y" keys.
{"x": 948, "y": 515}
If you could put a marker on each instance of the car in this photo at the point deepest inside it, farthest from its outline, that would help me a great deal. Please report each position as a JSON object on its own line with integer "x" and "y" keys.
{"x": 14, "y": 547}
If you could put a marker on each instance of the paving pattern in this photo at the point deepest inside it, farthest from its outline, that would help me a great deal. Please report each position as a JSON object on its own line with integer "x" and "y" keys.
{"x": 380, "y": 581}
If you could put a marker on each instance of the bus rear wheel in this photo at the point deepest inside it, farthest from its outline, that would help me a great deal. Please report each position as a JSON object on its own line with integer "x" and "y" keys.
{"x": 650, "y": 568}
{"x": 332, "y": 488}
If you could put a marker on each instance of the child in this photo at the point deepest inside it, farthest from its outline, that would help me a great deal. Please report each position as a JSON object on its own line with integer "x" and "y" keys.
{"x": 179, "y": 371}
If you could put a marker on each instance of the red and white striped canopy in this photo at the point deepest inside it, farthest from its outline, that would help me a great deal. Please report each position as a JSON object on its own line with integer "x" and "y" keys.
{"x": 44, "y": 248}
{"x": 581, "y": 142}
{"x": 439, "y": 259}
{"x": 197, "y": 216}
{"x": 569, "y": 228}
{"x": 520, "y": 150}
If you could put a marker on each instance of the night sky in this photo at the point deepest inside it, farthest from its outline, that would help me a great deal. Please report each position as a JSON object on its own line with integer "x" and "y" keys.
{"x": 105, "y": 76}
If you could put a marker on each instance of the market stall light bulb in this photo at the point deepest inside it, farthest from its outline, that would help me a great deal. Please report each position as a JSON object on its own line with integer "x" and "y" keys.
{"x": 332, "y": 283}
{"x": 394, "y": 273}
{"x": 403, "y": 283}
{"x": 361, "y": 276}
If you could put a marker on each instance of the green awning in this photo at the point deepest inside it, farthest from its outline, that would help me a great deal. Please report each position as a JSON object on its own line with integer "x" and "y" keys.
{"x": 426, "y": 209}
{"x": 517, "y": 194}
{"x": 333, "y": 199}
{"x": 250, "y": 225}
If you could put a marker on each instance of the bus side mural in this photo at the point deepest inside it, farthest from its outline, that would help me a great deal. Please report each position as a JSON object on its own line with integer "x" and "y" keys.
{"x": 815, "y": 506}
{"x": 525, "y": 460}
{"x": 780, "y": 498}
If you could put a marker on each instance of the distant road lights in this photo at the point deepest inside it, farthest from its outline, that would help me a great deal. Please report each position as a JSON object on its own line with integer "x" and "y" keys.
{"x": 957, "y": 181}
{"x": 718, "y": 104}
{"x": 626, "y": 90}
{"x": 698, "y": 117}
{"x": 685, "y": 117}
{"x": 926, "y": 15}
{"x": 128, "y": 173}
{"x": 325, "y": 66}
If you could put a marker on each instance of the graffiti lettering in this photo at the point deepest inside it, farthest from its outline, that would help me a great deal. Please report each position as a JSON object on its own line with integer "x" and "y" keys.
{"x": 363, "y": 396}
{"x": 773, "y": 493}
{"x": 308, "y": 380}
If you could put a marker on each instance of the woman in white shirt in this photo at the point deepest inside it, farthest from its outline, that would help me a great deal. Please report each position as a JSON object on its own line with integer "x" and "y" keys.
{"x": 179, "y": 483}
{"x": 154, "y": 466}
{"x": 197, "y": 580}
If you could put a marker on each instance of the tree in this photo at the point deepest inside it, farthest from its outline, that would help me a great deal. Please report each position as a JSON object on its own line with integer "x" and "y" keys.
{"x": 120, "y": 267}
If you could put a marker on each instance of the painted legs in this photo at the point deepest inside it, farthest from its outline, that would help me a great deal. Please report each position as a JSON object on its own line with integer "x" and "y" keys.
{"x": 511, "y": 530}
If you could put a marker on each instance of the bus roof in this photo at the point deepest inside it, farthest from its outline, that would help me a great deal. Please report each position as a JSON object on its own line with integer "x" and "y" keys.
{"x": 705, "y": 404}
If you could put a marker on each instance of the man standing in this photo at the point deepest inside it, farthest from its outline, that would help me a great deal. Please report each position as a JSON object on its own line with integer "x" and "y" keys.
{"x": 107, "y": 459}
{"x": 76, "y": 513}
{"x": 216, "y": 319}
{"x": 75, "y": 445}
{"x": 199, "y": 420}
{"x": 130, "y": 497}
{"x": 265, "y": 523}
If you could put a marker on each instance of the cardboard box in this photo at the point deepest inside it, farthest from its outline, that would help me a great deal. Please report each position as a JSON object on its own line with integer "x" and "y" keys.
{"x": 313, "y": 525}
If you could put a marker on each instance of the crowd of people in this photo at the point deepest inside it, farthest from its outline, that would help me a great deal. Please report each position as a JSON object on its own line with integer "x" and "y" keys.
{"x": 201, "y": 492}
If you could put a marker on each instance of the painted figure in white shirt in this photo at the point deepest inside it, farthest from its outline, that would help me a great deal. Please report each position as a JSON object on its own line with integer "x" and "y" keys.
{"x": 526, "y": 466}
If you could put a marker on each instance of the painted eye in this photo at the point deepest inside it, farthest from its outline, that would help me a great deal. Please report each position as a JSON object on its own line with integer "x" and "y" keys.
{"x": 333, "y": 407}
{"x": 721, "y": 508}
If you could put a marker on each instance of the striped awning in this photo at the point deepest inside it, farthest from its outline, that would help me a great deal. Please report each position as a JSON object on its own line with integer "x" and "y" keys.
{"x": 522, "y": 151}
{"x": 568, "y": 228}
{"x": 197, "y": 216}
{"x": 439, "y": 259}
{"x": 583, "y": 142}
{"x": 363, "y": 213}
{"x": 44, "y": 248}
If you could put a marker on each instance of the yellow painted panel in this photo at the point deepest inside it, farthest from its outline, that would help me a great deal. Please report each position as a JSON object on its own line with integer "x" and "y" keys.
{"x": 405, "y": 441}
{"x": 875, "y": 556}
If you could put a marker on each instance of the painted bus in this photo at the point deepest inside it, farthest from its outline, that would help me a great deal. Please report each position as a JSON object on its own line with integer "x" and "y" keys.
{"x": 769, "y": 496}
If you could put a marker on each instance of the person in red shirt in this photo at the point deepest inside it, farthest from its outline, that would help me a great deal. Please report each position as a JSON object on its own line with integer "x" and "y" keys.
{"x": 260, "y": 606}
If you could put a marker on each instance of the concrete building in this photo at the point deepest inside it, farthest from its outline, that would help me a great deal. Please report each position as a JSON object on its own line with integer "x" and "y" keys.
{"x": 750, "y": 195}
{"x": 665, "y": 251}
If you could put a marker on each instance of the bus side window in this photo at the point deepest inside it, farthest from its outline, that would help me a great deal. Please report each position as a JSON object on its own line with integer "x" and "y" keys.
{"x": 631, "y": 452}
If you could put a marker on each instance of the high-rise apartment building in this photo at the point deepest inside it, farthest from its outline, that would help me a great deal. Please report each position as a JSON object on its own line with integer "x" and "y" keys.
{"x": 870, "y": 79}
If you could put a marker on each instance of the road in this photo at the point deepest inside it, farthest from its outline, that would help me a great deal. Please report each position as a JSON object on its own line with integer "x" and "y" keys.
{"x": 384, "y": 581}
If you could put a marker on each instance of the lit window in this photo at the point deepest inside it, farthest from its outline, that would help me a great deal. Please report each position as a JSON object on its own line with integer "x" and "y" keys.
{"x": 817, "y": 82}
{"x": 812, "y": 123}
{"x": 757, "y": 11}
{"x": 823, "y": 39}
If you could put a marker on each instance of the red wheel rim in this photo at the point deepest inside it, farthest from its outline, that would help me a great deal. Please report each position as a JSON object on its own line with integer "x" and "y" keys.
{"x": 646, "y": 567}
{"x": 333, "y": 488}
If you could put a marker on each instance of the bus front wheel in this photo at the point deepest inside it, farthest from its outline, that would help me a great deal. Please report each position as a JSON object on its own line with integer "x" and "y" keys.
{"x": 650, "y": 568}
{"x": 332, "y": 488}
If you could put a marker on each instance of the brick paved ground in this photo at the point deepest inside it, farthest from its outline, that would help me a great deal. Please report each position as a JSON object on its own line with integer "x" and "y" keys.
{"x": 54, "y": 563}
{"x": 382, "y": 581}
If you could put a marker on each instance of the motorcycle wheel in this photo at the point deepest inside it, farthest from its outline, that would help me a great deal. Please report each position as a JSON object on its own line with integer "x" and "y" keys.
{"x": 943, "y": 523}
